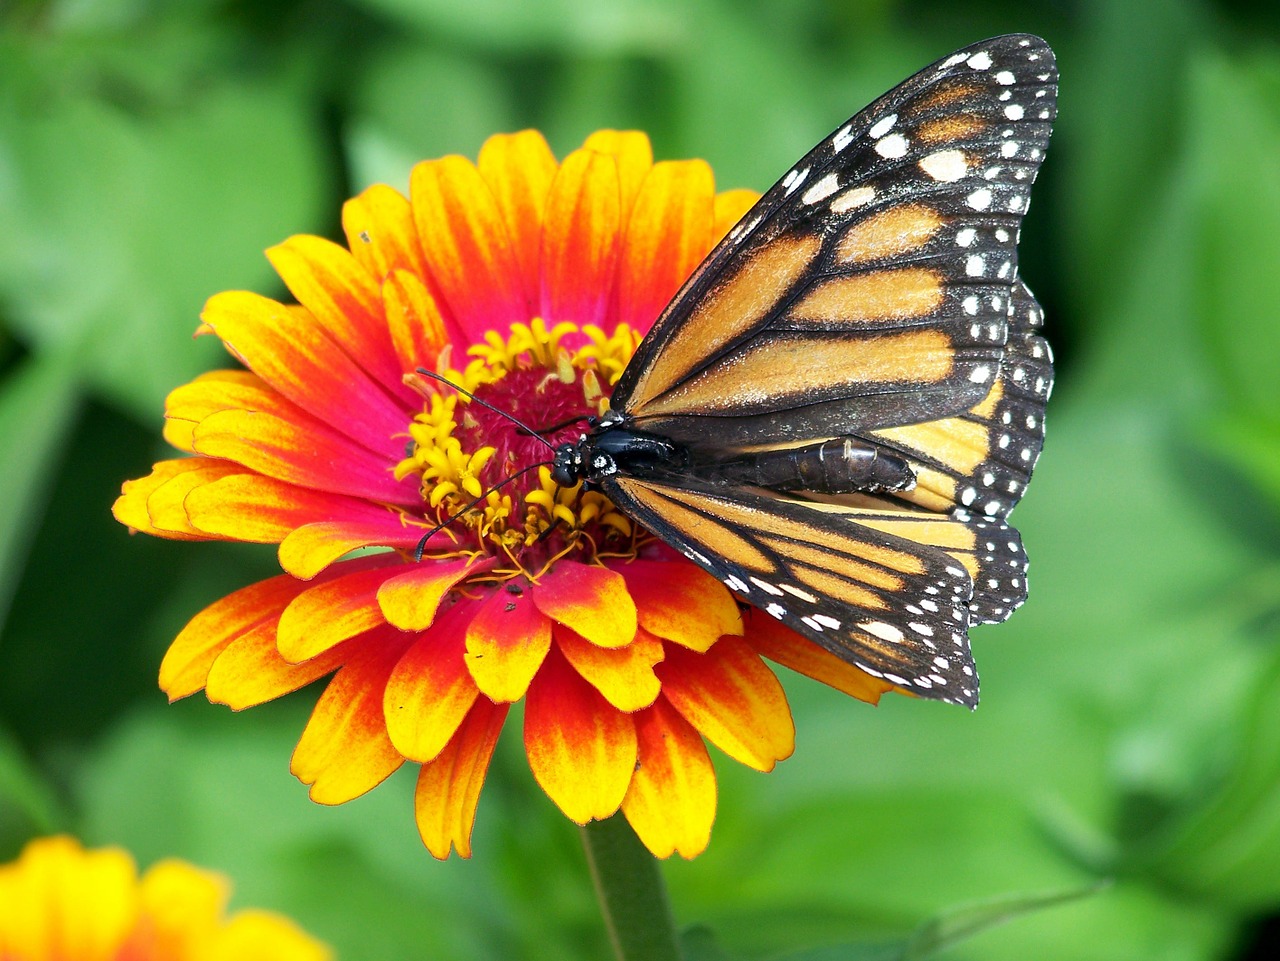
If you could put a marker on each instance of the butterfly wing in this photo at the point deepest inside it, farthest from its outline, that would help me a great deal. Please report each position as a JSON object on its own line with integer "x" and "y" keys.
{"x": 886, "y": 590}
{"x": 871, "y": 286}
{"x": 981, "y": 460}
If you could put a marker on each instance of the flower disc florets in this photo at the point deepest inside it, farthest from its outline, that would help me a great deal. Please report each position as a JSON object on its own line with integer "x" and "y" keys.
{"x": 484, "y": 474}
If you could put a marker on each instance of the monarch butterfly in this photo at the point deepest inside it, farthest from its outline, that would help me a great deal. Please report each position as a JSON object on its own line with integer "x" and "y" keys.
{"x": 839, "y": 408}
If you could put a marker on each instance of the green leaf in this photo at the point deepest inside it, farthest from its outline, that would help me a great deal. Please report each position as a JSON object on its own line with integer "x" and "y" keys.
{"x": 577, "y": 26}
{"x": 1235, "y": 116}
{"x": 195, "y": 781}
{"x": 38, "y": 403}
{"x": 698, "y": 943}
{"x": 1250, "y": 442}
{"x": 132, "y": 193}
{"x": 27, "y": 804}
{"x": 948, "y": 929}
{"x": 415, "y": 102}
{"x": 1119, "y": 124}
{"x": 1227, "y": 848}
{"x": 961, "y": 924}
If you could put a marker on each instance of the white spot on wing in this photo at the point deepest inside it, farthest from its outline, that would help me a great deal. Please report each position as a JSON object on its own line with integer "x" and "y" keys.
{"x": 797, "y": 592}
{"x": 892, "y": 147}
{"x": 883, "y": 125}
{"x": 766, "y": 587}
{"x": 853, "y": 198}
{"x": 821, "y": 190}
{"x": 980, "y": 199}
{"x": 794, "y": 179}
{"x": 880, "y": 629}
{"x": 945, "y": 166}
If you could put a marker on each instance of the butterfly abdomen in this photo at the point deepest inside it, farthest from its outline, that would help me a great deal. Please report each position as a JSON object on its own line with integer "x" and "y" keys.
{"x": 843, "y": 465}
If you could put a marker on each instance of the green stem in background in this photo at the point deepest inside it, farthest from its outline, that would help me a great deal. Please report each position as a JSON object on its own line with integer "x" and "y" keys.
{"x": 631, "y": 891}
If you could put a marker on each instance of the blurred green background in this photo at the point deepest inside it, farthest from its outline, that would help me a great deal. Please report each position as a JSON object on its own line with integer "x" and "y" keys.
{"x": 1130, "y": 726}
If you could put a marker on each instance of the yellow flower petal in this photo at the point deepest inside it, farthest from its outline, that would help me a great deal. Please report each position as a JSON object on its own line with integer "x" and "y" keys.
{"x": 593, "y": 601}
{"x": 730, "y": 695}
{"x": 624, "y": 675}
{"x": 671, "y": 802}
{"x": 581, "y": 750}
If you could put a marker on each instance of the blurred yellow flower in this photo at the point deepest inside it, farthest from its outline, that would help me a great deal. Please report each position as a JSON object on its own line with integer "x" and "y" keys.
{"x": 59, "y": 902}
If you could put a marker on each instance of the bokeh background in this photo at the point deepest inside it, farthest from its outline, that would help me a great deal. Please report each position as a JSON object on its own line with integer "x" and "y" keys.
{"x": 1130, "y": 726}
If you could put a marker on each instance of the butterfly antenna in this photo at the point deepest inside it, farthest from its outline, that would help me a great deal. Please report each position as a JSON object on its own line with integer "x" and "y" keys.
{"x": 488, "y": 406}
{"x": 565, "y": 423}
{"x": 422, "y": 542}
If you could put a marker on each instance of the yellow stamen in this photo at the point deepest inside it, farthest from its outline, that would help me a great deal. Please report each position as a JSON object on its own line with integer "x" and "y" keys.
{"x": 452, "y": 476}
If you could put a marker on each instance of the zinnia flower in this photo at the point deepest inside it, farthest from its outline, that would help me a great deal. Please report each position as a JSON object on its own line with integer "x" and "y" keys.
{"x": 59, "y": 902}
{"x": 527, "y": 283}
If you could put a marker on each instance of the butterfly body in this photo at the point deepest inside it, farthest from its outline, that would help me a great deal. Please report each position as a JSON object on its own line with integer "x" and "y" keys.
{"x": 840, "y": 407}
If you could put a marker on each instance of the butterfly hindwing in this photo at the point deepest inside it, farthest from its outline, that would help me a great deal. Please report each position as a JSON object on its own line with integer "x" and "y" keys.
{"x": 887, "y": 591}
{"x": 880, "y": 268}
{"x": 981, "y": 460}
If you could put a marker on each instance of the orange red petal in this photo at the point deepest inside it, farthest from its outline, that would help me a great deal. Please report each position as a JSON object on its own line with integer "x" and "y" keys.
{"x": 156, "y": 504}
{"x": 593, "y": 601}
{"x": 624, "y": 675}
{"x": 580, "y": 239}
{"x": 250, "y": 670}
{"x": 519, "y": 169}
{"x": 467, "y": 246}
{"x": 633, "y": 154}
{"x": 681, "y": 602}
{"x": 216, "y": 390}
{"x": 449, "y": 787}
{"x": 784, "y": 646}
{"x": 186, "y": 664}
{"x": 671, "y": 802}
{"x": 380, "y": 232}
{"x": 48, "y": 888}
{"x": 667, "y": 235}
{"x": 307, "y": 454}
{"x": 344, "y": 750}
{"x": 303, "y": 363}
{"x": 731, "y": 697}
{"x": 261, "y": 510}
{"x": 410, "y": 599}
{"x": 413, "y": 320}
{"x": 309, "y": 549}
{"x": 731, "y": 205}
{"x": 345, "y": 300}
{"x": 507, "y": 640}
{"x": 334, "y": 610}
{"x": 430, "y": 691}
{"x": 582, "y": 752}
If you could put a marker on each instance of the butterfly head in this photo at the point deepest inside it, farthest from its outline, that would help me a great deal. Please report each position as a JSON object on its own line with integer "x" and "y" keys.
{"x": 567, "y": 464}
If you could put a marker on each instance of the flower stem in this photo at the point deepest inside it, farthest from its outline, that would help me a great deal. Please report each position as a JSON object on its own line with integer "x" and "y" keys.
{"x": 631, "y": 891}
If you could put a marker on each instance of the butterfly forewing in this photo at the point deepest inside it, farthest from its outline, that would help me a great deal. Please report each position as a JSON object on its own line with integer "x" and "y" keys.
{"x": 870, "y": 287}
